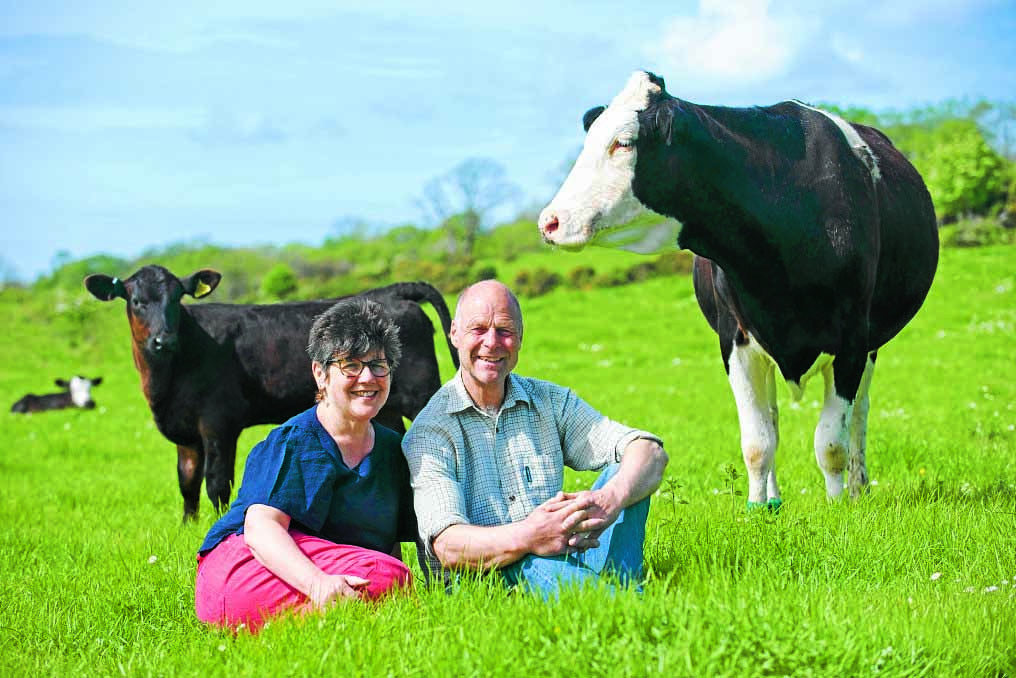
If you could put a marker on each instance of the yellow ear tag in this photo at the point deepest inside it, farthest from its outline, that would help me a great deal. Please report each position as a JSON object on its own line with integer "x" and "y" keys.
{"x": 202, "y": 289}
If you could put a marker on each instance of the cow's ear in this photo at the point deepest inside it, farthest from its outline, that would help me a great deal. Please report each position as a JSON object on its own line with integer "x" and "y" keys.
{"x": 61, "y": 383}
{"x": 96, "y": 381}
{"x": 104, "y": 287}
{"x": 590, "y": 117}
{"x": 657, "y": 80}
{"x": 201, "y": 283}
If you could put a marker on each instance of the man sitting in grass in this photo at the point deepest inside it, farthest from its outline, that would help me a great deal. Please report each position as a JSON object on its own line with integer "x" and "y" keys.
{"x": 487, "y": 456}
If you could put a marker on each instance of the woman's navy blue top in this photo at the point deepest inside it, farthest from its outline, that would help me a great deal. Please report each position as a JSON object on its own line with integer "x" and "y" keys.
{"x": 298, "y": 469}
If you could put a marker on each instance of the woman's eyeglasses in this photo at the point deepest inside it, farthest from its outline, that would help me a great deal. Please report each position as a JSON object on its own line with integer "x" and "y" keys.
{"x": 352, "y": 368}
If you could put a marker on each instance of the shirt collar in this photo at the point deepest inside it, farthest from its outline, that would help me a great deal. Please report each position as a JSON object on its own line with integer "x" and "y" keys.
{"x": 460, "y": 400}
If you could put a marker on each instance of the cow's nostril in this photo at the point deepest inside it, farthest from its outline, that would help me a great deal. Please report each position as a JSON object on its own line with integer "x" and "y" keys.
{"x": 551, "y": 226}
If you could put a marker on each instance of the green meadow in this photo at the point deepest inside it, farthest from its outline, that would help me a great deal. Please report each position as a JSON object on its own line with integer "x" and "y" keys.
{"x": 918, "y": 578}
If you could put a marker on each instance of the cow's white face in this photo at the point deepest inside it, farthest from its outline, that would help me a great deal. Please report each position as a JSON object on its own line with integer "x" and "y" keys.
{"x": 81, "y": 391}
{"x": 596, "y": 197}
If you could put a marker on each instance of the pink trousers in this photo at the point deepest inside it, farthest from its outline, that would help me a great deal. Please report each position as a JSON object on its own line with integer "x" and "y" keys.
{"x": 233, "y": 588}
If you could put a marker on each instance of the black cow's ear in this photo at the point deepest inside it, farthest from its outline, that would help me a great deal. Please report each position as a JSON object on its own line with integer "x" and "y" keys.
{"x": 96, "y": 381}
{"x": 104, "y": 287}
{"x": 61, "y": 383}
{"x": 201, "y": 283}
{"x": 590, "y": 117}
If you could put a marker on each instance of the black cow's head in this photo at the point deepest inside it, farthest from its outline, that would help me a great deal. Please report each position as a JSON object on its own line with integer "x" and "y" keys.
{"x": 153, "y": 297}
{"x": 597, "y": 203}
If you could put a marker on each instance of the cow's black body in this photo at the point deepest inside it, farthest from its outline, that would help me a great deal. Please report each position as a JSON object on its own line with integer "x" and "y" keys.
{"x": 229, "y": 366}
{"x": 810, "y": 254}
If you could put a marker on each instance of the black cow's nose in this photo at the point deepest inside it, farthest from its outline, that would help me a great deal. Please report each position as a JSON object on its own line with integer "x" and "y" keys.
{"x": 163, "y": 343}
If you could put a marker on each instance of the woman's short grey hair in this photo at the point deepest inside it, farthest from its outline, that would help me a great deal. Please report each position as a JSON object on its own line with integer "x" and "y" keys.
{"x": 352, "y": 328}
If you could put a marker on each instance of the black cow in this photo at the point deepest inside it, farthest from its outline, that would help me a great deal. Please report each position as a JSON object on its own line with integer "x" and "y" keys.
{"x": 76, "y": 393}
{"x": 209, "y": 371}
{"x": 816, "y": 238}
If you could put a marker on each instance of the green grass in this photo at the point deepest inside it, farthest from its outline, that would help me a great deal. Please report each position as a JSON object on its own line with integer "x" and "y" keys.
{"x": 916, "y": 579}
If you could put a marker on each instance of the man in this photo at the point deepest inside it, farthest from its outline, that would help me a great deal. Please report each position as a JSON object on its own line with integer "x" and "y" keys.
{"x": 487, "y": 455}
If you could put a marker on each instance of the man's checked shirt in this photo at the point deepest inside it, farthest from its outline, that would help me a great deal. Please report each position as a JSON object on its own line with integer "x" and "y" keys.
{"x": 468, "y": 467}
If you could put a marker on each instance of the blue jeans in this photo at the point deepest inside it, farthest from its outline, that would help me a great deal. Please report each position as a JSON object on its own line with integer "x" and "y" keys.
{"x": 619, "y": 552}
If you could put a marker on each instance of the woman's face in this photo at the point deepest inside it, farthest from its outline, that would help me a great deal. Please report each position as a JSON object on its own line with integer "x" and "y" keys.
{"x": 358, "y": 397}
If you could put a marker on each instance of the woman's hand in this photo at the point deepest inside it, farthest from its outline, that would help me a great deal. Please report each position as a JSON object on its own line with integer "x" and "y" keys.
{"x": 328, "y": 588}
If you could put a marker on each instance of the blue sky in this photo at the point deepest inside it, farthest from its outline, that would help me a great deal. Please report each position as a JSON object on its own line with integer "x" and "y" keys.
{"x": 126, "y": 125}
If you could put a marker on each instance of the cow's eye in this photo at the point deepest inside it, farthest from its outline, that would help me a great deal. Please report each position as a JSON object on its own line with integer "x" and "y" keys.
{"x": 621, "y": 145}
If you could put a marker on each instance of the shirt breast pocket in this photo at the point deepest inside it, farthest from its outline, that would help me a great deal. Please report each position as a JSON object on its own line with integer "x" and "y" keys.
{"x": 543, "y": 473}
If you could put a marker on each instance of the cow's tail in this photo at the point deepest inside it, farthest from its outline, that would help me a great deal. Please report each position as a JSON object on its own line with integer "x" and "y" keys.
{"x": 423, "y": 291}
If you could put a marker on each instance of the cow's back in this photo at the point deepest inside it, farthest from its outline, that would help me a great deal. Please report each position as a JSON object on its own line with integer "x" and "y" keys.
{"x": 264, "y": 349}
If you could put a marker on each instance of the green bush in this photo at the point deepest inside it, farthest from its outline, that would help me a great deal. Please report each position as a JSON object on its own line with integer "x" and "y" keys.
{"x": 279, "y": 283}
{"x": 977, "y": 232}
{"x": 582, "y": 277}
{"x": 535, "y": 283}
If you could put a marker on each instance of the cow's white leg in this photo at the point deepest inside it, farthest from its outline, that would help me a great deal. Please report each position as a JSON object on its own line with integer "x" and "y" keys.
{"x": 752, "y": 379}
{"x": 857, "y": 465}
{"x": 832, "y": 435}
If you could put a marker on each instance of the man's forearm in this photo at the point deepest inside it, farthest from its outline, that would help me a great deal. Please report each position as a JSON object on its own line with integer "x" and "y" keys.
{"x": 640, "y": 473}
{"x": 472, "y": 547}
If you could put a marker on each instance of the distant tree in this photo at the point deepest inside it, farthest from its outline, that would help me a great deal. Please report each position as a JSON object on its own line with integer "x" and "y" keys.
{"x": 965, "y": 175}
{"x": 461, "y": 200}
{"x": 280, "y": 282}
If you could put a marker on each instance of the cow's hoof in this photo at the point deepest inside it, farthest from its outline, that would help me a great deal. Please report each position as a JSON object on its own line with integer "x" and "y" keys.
{"x": 773, "y": 505}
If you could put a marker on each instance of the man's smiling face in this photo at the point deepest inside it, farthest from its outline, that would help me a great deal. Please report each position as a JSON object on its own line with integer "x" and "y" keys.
{"x": 487, "y": 331}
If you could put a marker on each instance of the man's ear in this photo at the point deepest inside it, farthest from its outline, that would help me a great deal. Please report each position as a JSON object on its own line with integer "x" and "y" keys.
{"x": 201, "y": 283}
{"x": 453, "y": 333}
{"x": 104, "y": 287}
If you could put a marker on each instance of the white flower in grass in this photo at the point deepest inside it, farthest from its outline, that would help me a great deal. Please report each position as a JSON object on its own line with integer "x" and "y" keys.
{"x": 715, "y": 491}
{"x": 596, "y": 348}
{"x": 1005, "y": 582}
{"x": 603, "y": 363}
{"x": 990, "y": 589}
{"x": 67, "y": 426}
{"x": 222, "y": 648}
{"x": 935, "y": 576}
{"x": 675, "y": 362}
{"x": 969, "y": 589}
{"x": 152, "y": 559}
{"x": 874, "y": 482}
{"x": 804, "y": 490}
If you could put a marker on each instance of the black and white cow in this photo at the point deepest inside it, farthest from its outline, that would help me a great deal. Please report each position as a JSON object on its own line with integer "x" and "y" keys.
{"x": 816, "y": 243}
{"x": 76, "y": 393}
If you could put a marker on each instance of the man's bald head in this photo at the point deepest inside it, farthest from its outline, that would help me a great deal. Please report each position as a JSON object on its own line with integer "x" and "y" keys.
{"x": 490, "y": 293}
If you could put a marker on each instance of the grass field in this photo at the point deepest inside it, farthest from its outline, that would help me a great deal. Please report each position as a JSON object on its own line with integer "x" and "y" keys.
{"x": 916, "y": 579}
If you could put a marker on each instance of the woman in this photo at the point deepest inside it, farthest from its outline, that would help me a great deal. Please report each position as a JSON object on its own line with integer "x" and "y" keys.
{"x": 325, "y": 498}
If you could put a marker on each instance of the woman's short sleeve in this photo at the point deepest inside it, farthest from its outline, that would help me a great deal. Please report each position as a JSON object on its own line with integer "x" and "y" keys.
{"x": 291, "y": 472}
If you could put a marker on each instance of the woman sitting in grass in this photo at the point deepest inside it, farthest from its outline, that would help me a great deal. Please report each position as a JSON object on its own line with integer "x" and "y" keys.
{"x": 325, "y": 498}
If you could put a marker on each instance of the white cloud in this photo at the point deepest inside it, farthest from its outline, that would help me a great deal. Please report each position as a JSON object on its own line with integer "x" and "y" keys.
{"x": 729, "y": 43}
